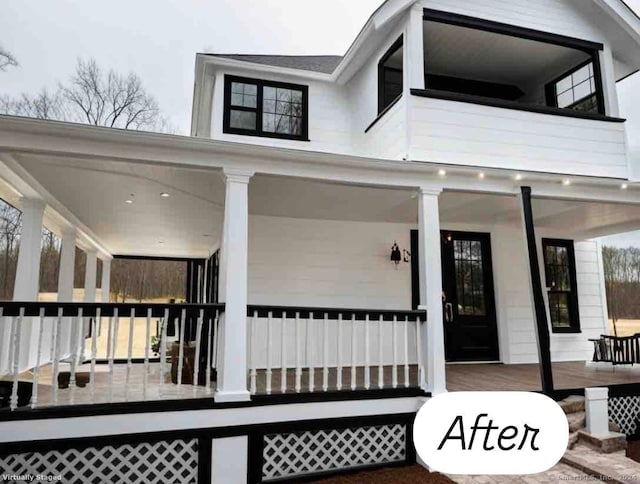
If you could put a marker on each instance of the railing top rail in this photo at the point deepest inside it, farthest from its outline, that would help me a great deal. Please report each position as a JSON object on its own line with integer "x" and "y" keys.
{"x": 52, "y": 309}
{"x": 335, "y": 313}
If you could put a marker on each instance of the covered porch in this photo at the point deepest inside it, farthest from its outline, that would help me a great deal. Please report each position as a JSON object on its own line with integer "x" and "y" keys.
{"x": 329, "y": 272}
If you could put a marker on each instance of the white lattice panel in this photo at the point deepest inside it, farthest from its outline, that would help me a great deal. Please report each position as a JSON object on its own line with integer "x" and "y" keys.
{"x": 161, "y": 462}
{"x": 624, "y": 411}
{"x": 300, "y": 453}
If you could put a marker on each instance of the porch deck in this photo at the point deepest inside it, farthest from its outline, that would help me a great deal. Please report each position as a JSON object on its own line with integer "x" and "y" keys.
{"x": 471, "y": 377}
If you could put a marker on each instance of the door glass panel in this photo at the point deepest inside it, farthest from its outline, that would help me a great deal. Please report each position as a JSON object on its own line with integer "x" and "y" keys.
{"x": 469, "y": 277}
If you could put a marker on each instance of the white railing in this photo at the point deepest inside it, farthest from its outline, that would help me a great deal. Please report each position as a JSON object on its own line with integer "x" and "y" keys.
{"x": 107, "y": 346}
{"x": 320, "y": 350}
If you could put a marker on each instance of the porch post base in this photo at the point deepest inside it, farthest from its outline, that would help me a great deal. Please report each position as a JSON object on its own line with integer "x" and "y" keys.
{"x": 220, "y": 396}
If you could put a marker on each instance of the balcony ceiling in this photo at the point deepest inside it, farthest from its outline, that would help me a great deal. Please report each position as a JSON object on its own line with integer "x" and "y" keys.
{"x": 475, "y": 54}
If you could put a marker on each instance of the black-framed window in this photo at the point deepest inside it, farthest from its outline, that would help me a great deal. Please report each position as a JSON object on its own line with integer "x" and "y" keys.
{"x": 578, "y": 89}
{"x": 562, "y": 288}
{"x": 257, "y": 107}
{"x": 390, "y": 75}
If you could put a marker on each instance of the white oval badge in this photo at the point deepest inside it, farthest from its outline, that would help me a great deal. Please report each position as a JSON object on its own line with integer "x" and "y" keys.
{"x": 490, "y": 433}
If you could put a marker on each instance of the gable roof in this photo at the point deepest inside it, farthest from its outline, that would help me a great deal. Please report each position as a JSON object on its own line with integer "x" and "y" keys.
{"x": 325, "y": 64}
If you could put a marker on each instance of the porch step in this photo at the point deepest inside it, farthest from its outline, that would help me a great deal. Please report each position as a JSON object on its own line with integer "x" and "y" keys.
{"x": 605, "y": 444}
{"x": 613, "y": 467}
{"x": 572, "y": 404}
{"x": 577, "y": 421}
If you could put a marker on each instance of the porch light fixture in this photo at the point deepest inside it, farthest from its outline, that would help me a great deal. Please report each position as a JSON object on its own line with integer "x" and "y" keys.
{"x": 566, "y": 182}
{"x": 396, "y": 255}
{"x": 165, "y": 195}
{"x": 624, "y": 186}
{"x": 481, "y": 176}
{"x": 518, "y": 177}
{"x": 128, "y": 201}
{"x": 442, "y": 172}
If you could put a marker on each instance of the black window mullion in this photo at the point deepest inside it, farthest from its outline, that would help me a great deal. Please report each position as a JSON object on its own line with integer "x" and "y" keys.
{"x": 259, "y": 107}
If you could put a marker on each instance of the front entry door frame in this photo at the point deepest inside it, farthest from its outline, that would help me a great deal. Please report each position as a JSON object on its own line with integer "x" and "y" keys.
{"x": 460, "y": 326}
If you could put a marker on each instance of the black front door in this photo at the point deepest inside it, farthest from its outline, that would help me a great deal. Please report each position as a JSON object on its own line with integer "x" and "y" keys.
{"x": 468, "y": 299}
{"x": 471, "y": 333}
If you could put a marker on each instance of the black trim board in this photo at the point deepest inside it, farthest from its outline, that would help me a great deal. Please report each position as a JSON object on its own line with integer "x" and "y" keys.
{"x": 123, "y": 408}
{"x": 399, "y": 43}
{"x": 511, "y": 30}
{"x": 498, "y": 103}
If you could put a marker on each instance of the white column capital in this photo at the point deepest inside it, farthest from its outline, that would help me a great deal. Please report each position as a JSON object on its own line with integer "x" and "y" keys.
{"x": 32, "y": 204}
{"x": 430, "y": 191}
{"x": 237, "y": 175}
{"x": 417, "y": 7}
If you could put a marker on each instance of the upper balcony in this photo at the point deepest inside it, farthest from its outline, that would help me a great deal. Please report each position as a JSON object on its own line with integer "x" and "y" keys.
{"x": 503, "y": 96}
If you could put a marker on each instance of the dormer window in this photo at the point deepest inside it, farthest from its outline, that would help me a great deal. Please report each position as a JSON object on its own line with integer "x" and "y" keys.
{"x": 256, "y": 107}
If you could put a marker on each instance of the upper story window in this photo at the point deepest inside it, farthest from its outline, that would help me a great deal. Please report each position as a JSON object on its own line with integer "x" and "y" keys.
{"x": 264, "y": 108}
{"x": 562, "y": 289}
{"x": 576, "y": 90}
{"x": 390, "y": 75}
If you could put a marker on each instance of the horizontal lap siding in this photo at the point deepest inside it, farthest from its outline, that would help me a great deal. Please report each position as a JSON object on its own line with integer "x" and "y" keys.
{"x": 564, "y": 17}
{"x": 468, "y": 134}
{"x": 323, "y": 263}
{"x": 386, "y": 139}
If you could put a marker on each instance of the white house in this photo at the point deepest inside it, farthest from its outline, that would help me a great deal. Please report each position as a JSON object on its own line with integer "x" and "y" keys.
{"x": 355, "y": 226}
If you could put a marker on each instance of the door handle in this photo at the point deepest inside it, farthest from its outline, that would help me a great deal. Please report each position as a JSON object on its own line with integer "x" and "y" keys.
{"x": 448, "y": 312}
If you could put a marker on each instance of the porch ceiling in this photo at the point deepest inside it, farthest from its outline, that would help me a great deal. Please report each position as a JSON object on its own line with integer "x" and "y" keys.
{"x": 188, "y": 223}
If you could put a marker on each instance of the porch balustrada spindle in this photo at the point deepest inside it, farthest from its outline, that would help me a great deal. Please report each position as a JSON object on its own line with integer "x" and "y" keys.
{"x": 75, "y": 328}
{"x": 163, "y": 348}
{"x": 339, "y": 367}
{"x": 36, "y": 369}
{"x": 16, "y": 326}
{"x": 196, "y": 359}
{"x": 325, "y": 353}
{"x": 94, "y": 349}
{"x": 406, "y": 352}
{"x": 394, "y": 366}
{"x": 310, "y": 354}
{"x": 55, "y": 344}
{"x": 212, "y": 353}
{"x": 110, "y": 349}
{"x": 252, "y": 360}
{"x": 298, "y": 358}
{"x": 147, "y": 348}
{"x": 380, "y": 355}
{"x": 283, "y": 353}
{"x": 132, "y": 317}
{"x": 269, "y": 372}
{"x": 353, "y": 352}
{"x": 183, "y": 323}
{"x": 367, "y": 356}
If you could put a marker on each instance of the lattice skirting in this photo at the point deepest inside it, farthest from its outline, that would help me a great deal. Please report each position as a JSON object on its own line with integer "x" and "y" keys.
{"x": 624, "y": 411}
{"x": 294, "y": 454}
{"x": 157, "y": 462}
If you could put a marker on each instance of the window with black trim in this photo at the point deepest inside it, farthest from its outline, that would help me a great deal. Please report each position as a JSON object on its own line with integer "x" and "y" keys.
{"x": 576, "y": 89}
{"x": 256, "y": 107}
{"x": 390, "y": 75}
{"x": 562, "y": 289}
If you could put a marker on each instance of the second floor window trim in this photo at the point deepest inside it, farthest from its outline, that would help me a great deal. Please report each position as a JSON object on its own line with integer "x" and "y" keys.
{"x": 595, "y": 77}
{"x": 266, "y": 104}
{"x": 562, "y": 286}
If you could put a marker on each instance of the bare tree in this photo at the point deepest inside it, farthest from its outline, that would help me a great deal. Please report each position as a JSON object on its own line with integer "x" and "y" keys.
{"x": 6, "y": 59}
{"x": 93, "y": 96}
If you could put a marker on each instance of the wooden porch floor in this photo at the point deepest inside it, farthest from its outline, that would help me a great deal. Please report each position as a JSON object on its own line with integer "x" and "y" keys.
{"x": 473, "y": 377}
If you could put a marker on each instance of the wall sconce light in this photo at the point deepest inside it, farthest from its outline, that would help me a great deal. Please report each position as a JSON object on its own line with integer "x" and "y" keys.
{"x": 396, "y": 255}
{"x": 406, "y": 255}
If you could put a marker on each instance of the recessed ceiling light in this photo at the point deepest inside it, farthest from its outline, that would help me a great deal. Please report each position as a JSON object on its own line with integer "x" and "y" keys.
{"x": 165, "y": 195}
{"x": 442, "y": 172}
{"x": 206, "y": 235}
{"x": 129, "y": 201}
{"x": 481, "y": 175}
{"x": 624, "y": 186}
{"x": 518, "y": 177}
{"x": 566, "y": 182}
{"x": 160, "y": 241}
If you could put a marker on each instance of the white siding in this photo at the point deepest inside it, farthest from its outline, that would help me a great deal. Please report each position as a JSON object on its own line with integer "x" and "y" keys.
{"x": 388, "y": 137}
{"x": 564, "y": 17}
{"x": 324, "y": 263}
{"x": 470, "y": 134}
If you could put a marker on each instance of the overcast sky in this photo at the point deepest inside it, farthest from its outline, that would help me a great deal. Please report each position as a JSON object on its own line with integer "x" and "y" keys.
{"x": 158, "y": 40}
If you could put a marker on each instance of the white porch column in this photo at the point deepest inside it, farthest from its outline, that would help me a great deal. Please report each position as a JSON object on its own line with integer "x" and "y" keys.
{"x": 90, "y": 275}
{"x": 105, "y": 285}
{"x": 431, "y": 289}
{"x": 27, "y": 281}
{"x": 232, "y": 371}
{"x": 67, "y": 265}
{"x": 28, "y": 268}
